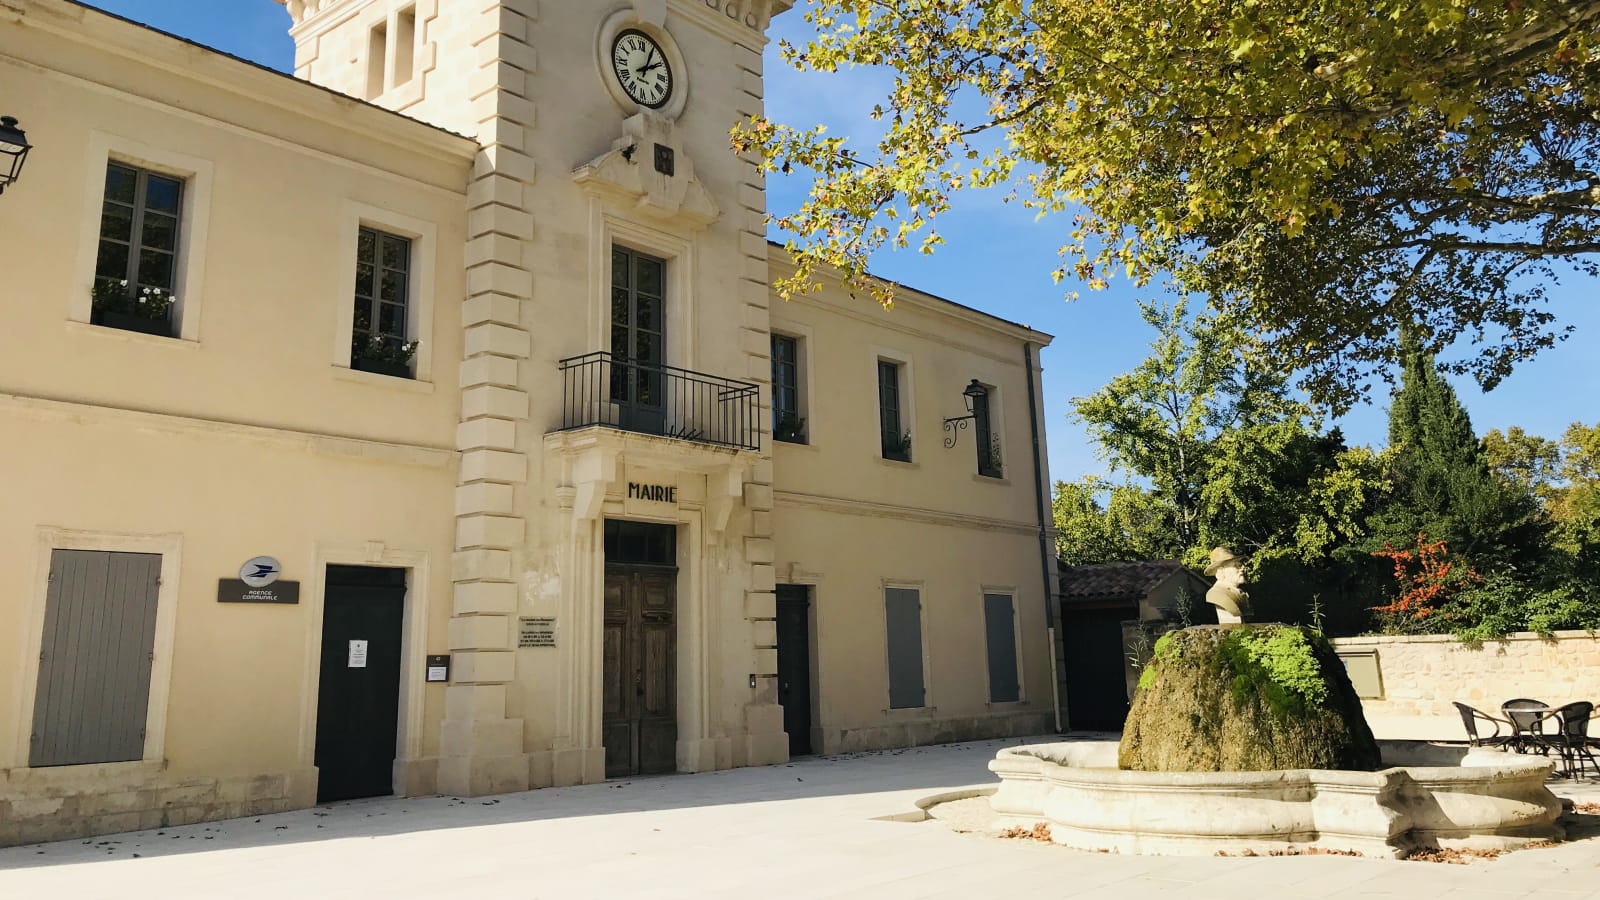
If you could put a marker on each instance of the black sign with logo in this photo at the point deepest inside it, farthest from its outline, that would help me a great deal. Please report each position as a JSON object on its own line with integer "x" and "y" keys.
{"x": 232, "y": 590}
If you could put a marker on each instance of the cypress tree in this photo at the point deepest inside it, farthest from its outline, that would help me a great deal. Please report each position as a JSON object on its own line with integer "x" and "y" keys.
{"x": 1443, "y": 486}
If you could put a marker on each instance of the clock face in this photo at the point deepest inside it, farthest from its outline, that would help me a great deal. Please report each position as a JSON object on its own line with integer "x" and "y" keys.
{"x": 642, "y": 69}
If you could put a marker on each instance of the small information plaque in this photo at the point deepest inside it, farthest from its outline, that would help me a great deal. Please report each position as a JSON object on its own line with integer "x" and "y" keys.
{"x": 438, "y": 668}
{"x": 537, "y": 631}
{"x": 233, "y": 590}
{"x": 358, "y": 654}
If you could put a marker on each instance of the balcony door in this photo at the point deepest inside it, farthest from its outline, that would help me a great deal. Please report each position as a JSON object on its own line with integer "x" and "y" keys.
{"x": 638, "y": 340}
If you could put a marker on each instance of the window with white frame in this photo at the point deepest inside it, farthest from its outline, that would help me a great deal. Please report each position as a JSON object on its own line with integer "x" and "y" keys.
{"x": 787, "y": 423}
{"x": 892, "y": 429}
{"x": 379, "y": 340}
{"x": 988, "y": 439}
{"x": 136, "y": 262}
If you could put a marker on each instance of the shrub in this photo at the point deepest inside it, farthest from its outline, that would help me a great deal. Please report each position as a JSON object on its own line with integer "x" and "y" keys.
{"x": 1503, "y": 604}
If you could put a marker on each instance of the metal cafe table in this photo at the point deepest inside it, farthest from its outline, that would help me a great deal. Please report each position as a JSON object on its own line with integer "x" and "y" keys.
{"x": 1536, "y": 727}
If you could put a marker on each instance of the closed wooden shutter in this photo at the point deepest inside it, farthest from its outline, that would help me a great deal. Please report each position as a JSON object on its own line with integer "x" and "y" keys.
{"x": 95, "y": 658}
{"x": 903, "y": 614}
{"x": 999, "y": 615}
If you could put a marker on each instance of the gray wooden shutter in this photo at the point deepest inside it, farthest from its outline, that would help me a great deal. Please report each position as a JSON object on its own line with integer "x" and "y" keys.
{"x": 903, "y": 613}
{"x": 998, "y": 616}
{"x": 95, "y": 657}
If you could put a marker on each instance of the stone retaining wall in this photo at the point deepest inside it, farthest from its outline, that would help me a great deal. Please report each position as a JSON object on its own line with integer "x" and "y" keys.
{"x": 1418, "y": 677}
{"x": 57, "y": 804}
{"x": 922, "y": 731}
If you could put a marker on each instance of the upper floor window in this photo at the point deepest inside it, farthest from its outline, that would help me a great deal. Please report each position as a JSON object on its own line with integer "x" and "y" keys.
{"x": 379, "y": 340}
{"x": 136, "y": 267}
{"x": 896, "y": 439}
{"x": 988, "y": 441}
{"x": 787, "y": 425}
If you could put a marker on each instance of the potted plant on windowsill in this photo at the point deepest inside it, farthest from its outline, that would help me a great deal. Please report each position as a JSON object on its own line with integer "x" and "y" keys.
{"x": 383, "y": 355}
{"x": 897, "y": 448}
{"x": 117, "y": 304}
{"x": 790, "y": 429}
{"x": 989, "y": 466}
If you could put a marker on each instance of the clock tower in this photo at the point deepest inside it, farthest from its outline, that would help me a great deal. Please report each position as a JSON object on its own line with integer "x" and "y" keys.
{"x": 609, "y": 221}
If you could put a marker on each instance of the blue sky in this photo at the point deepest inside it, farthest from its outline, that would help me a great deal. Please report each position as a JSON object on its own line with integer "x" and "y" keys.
{"x": 998, "y": 257}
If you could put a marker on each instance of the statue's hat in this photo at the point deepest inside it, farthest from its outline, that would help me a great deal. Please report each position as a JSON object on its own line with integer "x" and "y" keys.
{"x": 1220, "y": 557}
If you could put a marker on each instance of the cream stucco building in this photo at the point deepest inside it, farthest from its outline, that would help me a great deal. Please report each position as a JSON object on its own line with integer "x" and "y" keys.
{"x": 465, "y": 335}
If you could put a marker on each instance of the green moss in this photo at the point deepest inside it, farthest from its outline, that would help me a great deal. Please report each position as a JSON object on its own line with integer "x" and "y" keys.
{"x": 1278, "y": 663}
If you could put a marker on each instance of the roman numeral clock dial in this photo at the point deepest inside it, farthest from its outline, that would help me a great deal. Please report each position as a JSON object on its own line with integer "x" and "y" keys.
{"x": 642, "y": 69}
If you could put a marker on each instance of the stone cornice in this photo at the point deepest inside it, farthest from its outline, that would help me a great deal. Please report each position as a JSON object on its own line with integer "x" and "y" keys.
{"x": 307, "y": 14}
{"x": 781, "y": 263}
{"x": 737, "y": 19}
{"x": 50, "y": 409}
{"x": 874, "y": 509}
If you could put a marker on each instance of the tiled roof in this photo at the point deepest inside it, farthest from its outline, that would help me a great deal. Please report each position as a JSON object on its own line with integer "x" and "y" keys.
{"x": 1115, "y": 581}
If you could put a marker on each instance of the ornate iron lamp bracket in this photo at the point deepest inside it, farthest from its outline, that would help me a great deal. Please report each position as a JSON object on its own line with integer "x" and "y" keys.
{"x": 953, "y": 428}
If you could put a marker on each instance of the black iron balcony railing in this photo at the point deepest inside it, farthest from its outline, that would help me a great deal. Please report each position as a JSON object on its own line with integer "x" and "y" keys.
{"x": 601, "y": 389}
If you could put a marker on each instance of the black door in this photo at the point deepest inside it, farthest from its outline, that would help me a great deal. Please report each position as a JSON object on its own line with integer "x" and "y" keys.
{"x": 794, "y": 664}
{"x": 638, "y": 340}
{"x": 358, "y": 693}
{"x": 1097, "y": 691}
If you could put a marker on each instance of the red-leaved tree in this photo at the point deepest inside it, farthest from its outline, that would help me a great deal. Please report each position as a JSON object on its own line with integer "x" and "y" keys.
{"x": 1428, "y": 578}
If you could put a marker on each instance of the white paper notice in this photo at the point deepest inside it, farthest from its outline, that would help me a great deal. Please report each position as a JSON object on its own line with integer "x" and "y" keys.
{"x": 437, "y": 673}
{"x": 358, "y": 655}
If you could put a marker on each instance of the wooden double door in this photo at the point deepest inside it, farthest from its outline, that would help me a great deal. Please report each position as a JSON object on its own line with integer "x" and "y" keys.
{"x": 639, "y": 711}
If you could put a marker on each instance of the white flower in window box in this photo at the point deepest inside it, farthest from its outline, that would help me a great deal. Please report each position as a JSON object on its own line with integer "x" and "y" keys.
{"x": 383, "y": 354}
{"x": 116, "y": 303}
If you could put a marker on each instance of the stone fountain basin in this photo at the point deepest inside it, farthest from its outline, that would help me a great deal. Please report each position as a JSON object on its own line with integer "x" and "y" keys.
{"x": 1431, "y": 796}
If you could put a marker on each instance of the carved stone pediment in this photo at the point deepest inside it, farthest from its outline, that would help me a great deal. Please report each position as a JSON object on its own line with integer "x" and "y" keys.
{"x": 628, "y": 175}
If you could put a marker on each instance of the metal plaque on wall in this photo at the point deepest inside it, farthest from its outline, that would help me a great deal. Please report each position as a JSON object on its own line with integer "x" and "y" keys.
{"x": 537, "y": 631}
{"x": 234, "y": 590}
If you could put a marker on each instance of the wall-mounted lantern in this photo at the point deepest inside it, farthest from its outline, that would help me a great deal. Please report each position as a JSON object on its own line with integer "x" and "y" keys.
{"x": 14, "y": 149}
{"x": 954, "y": 425}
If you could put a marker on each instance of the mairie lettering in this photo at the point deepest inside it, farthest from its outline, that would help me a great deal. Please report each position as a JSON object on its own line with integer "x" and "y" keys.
{"x": 658, "y": 493}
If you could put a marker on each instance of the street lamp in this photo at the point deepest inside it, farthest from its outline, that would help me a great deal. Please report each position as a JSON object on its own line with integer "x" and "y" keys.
{"x": 954, "y": 425}
{"x": 14, "y": 149}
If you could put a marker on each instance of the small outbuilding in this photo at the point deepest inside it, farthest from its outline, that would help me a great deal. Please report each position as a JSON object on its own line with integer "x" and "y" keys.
{"x": 1110, "y": 614}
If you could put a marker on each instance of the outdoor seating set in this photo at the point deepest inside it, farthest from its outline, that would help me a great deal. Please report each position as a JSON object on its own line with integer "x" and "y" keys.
{"x": 1535, "y": 727}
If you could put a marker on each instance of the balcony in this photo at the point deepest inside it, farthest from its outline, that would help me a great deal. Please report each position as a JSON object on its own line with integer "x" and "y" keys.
{"x": 611, "y": 392}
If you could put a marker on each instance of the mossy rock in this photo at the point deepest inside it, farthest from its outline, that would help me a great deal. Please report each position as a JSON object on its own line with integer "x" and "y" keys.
{"x": 1245, "y": 698}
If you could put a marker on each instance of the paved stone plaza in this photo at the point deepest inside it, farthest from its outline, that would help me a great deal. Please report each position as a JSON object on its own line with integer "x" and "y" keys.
{"x": 808, "y": 829}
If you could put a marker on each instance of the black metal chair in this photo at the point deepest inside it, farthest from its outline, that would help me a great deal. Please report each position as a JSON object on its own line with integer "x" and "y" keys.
{"x": 1469, "y": 719}
{"x": 1528, "y": 718}
{"x": 1573, "y": 738}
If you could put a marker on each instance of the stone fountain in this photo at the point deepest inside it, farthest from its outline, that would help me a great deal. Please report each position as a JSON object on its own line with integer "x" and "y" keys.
{"x": 1250, "y": 738}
